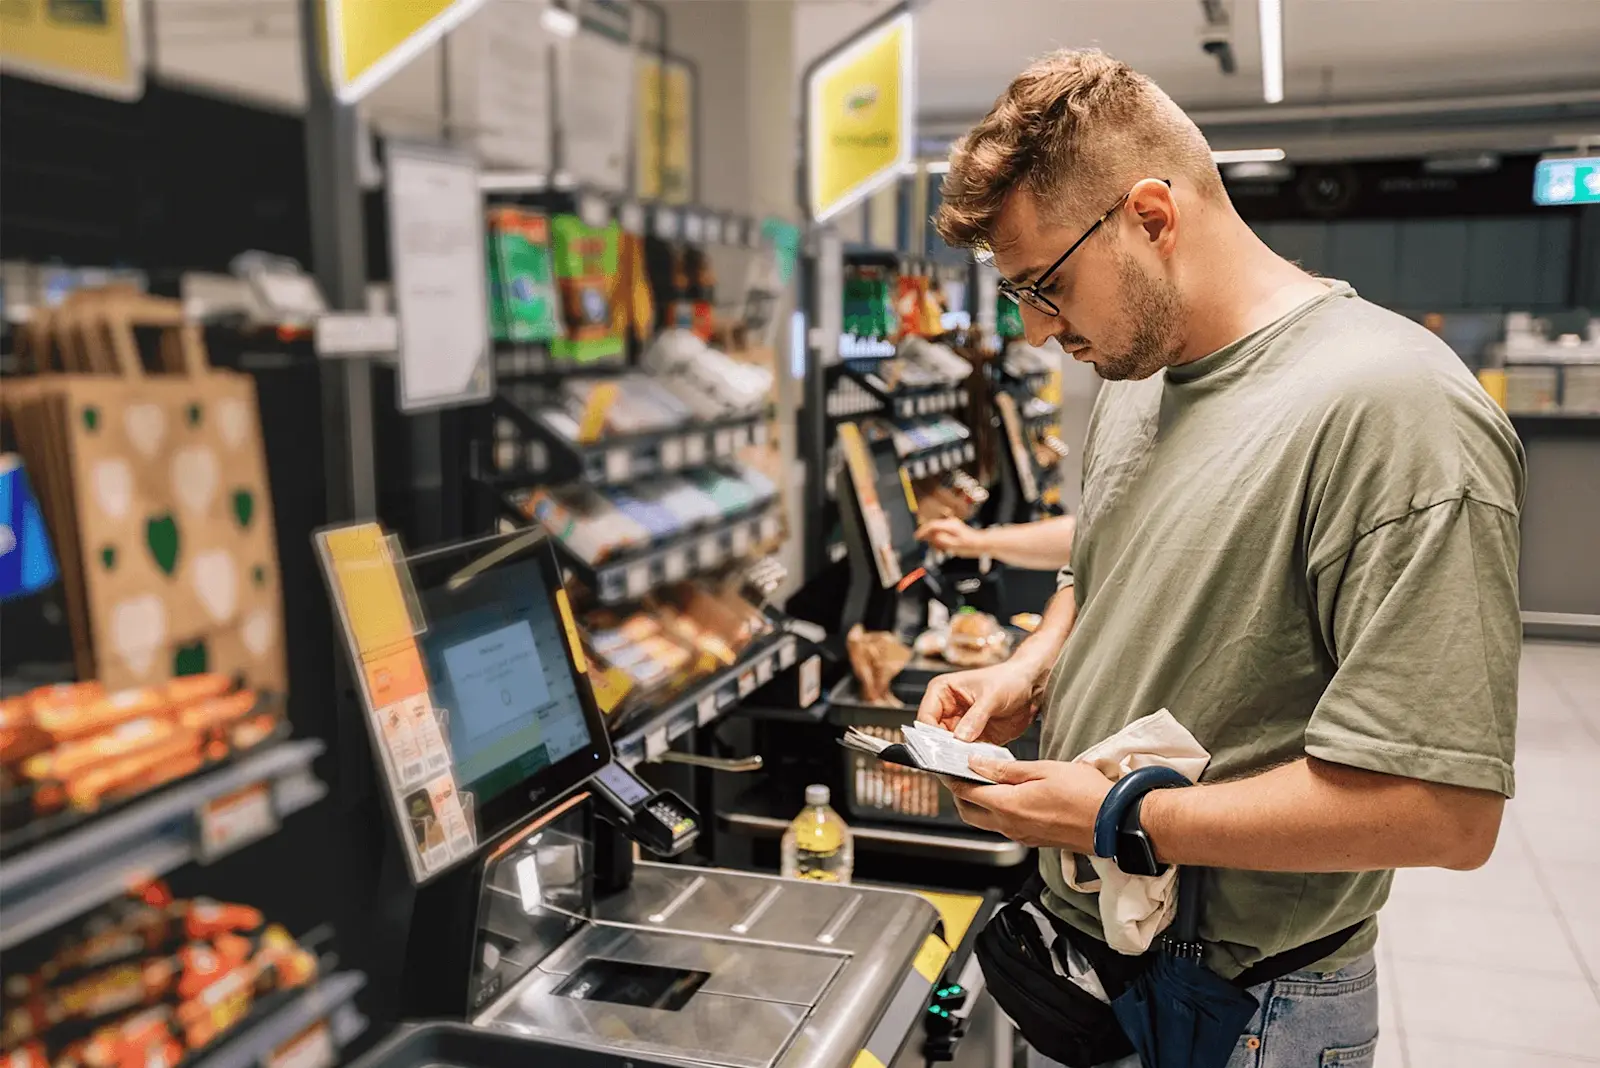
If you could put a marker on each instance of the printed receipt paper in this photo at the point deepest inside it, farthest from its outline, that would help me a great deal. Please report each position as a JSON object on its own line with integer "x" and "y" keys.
{"x": 930, "y": 749}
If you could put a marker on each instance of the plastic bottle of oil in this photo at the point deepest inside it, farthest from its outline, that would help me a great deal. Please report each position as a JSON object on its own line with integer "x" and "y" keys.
{"x": 818, "y": 844}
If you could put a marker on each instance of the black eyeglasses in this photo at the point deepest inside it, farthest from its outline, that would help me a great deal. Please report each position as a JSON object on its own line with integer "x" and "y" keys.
{"x": 1030, "y": 294}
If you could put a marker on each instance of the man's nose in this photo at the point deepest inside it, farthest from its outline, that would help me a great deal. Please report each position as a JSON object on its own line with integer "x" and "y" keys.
{"x": 1038, "y": 327}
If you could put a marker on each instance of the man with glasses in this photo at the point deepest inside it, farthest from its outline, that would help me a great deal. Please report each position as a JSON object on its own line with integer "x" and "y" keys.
{"x": 1298, "y": 534}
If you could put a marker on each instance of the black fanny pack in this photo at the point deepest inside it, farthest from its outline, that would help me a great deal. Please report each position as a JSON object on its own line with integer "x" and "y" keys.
{"x": 1058, "y": 1017}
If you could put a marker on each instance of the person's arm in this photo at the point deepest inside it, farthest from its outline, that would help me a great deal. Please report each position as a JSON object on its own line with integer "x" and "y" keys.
{"x": 997, "y": 703}
{"x": 1408, "y": 751}
{"x": 1317, "y": 816}
{"x": 1044, "y": 545}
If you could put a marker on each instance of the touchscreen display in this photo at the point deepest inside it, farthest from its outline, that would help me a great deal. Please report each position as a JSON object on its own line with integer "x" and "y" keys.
{"x": 500, "y": 669}
{"x": 892, "y": 498}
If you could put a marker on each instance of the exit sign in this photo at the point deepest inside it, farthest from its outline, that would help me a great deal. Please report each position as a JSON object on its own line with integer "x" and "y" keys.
{"x": 1572, "y": 180}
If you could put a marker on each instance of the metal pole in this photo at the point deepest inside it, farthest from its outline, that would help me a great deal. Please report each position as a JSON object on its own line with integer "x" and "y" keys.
{"x": 338, "y": 259}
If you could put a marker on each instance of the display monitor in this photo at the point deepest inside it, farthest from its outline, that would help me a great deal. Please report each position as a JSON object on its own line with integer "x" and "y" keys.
{"x": 894, "y": 496}
{"x": 502, "y": 662}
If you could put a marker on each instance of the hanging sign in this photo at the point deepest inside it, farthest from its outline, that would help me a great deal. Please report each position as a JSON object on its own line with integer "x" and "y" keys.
{"x": 369, "y": 40}
{"x": 94, "y": 46}
{"x": 860, "y": 115}
{"x": 663, "y": 129}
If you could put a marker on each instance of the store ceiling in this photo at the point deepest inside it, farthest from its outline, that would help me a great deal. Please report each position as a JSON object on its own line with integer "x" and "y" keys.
{"x": 1335, "y": 51}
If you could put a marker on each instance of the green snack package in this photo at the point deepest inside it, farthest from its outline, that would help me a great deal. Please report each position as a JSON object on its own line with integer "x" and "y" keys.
{"x": 586, "y": 262}
{"x": 522, "y": 304}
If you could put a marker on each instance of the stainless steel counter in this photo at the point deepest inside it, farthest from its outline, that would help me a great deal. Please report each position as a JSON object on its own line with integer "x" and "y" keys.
{"x": 793, "y": 973}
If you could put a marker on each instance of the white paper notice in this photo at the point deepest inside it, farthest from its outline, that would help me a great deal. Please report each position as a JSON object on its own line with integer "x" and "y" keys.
{"x": 511, "y": 77}
{"x": 436, "y": 243}
{"x": 599, "y": 84}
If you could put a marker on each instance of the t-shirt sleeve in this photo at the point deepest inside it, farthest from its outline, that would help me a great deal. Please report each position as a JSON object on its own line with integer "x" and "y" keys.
{"x": 1422, "y": 620}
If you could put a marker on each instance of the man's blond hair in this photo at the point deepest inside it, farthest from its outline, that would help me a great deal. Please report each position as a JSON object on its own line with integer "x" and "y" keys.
{"x": 1075, "y": 130}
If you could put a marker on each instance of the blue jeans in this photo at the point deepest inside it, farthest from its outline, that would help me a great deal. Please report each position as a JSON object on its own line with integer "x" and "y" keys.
{"x": 1306, "y": 1020}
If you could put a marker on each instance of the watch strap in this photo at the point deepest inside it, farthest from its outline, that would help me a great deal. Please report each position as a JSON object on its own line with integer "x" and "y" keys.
{"x": 1126, "y": 790}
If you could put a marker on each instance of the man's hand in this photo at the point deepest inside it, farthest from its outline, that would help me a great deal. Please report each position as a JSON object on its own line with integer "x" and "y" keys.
{"x": 954, "y": 537}
{"x": 990, "y": 704}
{"x": 1035, "y": 802}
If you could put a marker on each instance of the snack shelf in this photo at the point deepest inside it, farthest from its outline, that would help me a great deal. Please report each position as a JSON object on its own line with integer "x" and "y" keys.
{"x": 707, "y": 701}
{"x": 629, "y": 577}
{"x": 673, "y": 222}
{"x": 515, "y": 360}
{"x": 614, "y": 459}
{"x": 908, "y": 403}
{"x": 329, "y": 1000}
{"x": 198, "y": 819}
{"x": 938, "y": 460}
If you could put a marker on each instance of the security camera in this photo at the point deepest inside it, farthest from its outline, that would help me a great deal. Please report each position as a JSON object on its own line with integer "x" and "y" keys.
{"x": 1218, "y": 42}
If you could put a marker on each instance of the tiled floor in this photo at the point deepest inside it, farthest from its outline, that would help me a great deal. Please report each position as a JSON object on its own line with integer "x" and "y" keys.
{"x": 1500, "y": 967}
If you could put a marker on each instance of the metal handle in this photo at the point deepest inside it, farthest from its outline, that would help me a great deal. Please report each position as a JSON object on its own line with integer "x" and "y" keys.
{"x": 734, "y": 764}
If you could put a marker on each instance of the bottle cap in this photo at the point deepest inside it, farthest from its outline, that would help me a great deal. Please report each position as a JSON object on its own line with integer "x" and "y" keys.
{"x": 817, "y": 794}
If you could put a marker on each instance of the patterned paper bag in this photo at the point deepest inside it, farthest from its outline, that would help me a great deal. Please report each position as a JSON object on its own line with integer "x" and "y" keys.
{"x": 170, "y": 507}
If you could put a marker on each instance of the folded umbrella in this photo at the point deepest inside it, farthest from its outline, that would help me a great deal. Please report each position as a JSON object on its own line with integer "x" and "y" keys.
{"x": 1179, "y": 1013}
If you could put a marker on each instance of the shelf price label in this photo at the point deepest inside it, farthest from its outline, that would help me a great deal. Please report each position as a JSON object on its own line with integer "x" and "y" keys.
{"x": 694, "y": 228}
{"x": 722, "y": 443}
{"x": 637, "y": 580}
{"x": 747, "y": 684}
{"x": 709, "y": 553}
{"x": 758, "y": 433}
{"x": 676, "y": 565}
{"x": 706, "y": 709}
{"x": 619, "y": 464}
{"x": 769, "y": 528}
{"x": 655, "y": 743}
{"x": 741, "y": 540}
{"x": 311, "y": 1048}
{"x": 631, "y": 217}
{"x": 694, "y": 450}
{"x": 233, "y": 821}
{"x": 786, "y": 656}
{"x": 671, "y": 454}
{"x": 764, "y": 672}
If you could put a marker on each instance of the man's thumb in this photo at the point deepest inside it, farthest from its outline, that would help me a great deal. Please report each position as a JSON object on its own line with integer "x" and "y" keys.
{"x": 1003, "y": 772}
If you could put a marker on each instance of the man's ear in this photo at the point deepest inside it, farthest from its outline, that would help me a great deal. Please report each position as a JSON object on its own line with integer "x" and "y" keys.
{"x": 1152, "y": 201}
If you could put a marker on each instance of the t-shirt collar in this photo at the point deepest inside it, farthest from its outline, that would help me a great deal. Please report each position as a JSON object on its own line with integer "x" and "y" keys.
{"x": 1257, "y": 340}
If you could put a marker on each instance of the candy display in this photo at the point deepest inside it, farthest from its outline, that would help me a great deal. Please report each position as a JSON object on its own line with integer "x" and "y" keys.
{"x": 677, "y": 637}
{"x": 147, "y": 980}
{"x": 75, "y": 747}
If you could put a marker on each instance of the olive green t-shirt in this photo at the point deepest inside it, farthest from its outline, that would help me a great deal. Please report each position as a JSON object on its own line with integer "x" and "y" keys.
{"x": 1304, "y": 543}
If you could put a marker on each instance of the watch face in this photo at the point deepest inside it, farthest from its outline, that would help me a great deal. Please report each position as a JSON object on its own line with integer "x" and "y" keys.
{"x": 1135, "y": 856}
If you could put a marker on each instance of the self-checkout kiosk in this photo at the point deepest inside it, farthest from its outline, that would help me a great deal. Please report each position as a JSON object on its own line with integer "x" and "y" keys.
{"x": 527, "y": 932}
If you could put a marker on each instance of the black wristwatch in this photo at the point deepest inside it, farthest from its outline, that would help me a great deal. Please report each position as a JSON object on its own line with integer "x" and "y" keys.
{"x": 1118, "y": 834}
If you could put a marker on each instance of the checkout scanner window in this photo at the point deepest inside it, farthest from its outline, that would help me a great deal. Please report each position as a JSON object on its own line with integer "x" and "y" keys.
{"x": 648, "y": 986}
{"x": 499, "y": 664}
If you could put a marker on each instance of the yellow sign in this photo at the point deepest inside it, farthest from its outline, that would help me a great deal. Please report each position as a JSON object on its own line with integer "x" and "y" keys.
{"x": 368, "y": 40}
{"x": 956, "y": 910}
{"x": 94, "y": 46}
{"x": 663, "y": 130}
{"x": 367, "y": 587}
{"x": 860, "y": 118}
{"x": 930, "y": 958}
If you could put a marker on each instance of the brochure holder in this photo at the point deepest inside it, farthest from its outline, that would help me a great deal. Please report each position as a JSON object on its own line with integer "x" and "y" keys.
{"x": 381, "y": 619}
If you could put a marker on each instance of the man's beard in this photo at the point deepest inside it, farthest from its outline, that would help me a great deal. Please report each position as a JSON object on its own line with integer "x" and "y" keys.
{"x": 1154, "y": 308}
